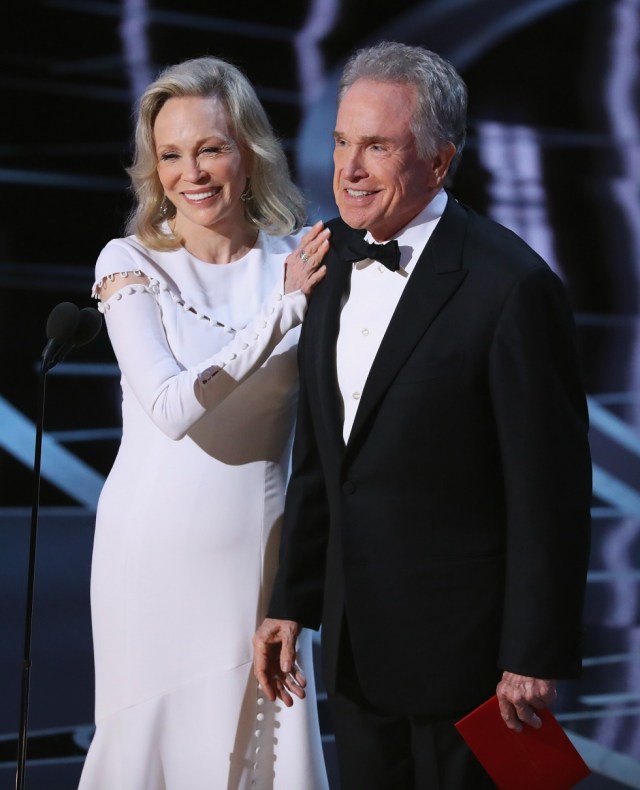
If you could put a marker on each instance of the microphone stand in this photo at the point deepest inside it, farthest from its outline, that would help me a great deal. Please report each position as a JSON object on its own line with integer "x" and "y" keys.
{"x": 26, "y": 665}
{"x": 67, "y": 327}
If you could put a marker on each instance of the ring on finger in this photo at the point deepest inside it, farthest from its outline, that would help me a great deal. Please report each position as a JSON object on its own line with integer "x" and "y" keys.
{"x": 305, "y": 256}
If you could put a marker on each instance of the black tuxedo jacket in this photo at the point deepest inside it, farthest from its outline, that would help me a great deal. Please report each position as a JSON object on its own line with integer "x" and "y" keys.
{"x": 452, "y": 530}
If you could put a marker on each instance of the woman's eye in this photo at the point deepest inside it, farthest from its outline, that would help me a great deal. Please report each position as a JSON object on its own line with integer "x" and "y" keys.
{"x": 167, "y": 156}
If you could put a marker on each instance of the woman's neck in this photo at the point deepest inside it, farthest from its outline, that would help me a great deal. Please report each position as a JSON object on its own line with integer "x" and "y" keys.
{"x": 213, "y": 246}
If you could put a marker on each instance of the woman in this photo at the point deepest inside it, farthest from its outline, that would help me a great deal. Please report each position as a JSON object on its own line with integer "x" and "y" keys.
{"x": 201, "y": 302}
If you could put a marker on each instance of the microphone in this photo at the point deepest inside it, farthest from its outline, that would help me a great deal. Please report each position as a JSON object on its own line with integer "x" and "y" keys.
{"x": 89, "y": 324}
{"x": 61, "y": 325}
{"x": 67, "y": 327}
{"x": 85, "y": 323}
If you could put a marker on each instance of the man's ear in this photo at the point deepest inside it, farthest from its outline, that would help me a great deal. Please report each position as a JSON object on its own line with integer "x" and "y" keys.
{"x": 440, "y": 163}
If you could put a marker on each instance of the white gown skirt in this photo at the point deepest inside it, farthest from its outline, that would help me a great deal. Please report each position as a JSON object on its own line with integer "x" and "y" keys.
{"x": 180, "y": 580}
{"x": 180, "y": 741}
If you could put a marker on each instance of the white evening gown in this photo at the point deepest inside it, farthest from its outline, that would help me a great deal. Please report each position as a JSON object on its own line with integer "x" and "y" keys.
{"x": 188, "y": 527}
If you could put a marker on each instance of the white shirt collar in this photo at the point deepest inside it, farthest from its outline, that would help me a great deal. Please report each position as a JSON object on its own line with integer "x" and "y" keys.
{"x": 413, "y": 238}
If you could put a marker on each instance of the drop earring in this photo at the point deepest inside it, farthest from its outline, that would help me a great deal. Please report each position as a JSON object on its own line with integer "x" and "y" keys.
{"x": 246, "y": 195}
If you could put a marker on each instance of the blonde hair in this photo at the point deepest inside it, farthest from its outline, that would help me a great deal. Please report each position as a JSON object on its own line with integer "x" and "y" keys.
{"x": 272, "y": 202}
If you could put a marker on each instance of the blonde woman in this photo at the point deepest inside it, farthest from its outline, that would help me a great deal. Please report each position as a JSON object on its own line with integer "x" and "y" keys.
{"x": 203, "y": 302}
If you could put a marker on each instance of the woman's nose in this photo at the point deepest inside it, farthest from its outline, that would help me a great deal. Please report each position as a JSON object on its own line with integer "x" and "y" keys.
{"x": 193, "y": 171}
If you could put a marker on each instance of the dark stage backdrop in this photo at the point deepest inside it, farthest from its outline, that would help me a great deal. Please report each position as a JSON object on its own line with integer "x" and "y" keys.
{"x": 553, "y": 152}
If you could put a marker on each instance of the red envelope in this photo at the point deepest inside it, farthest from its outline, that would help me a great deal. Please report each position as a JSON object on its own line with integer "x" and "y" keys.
{"x": 527, "y": 760}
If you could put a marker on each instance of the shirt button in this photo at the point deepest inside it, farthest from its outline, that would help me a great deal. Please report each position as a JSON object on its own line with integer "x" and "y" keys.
{"x": 260, "y": 717}
{"x": 356, "y": 396}
{"x": 365, "y": 331}
{"x": 381, "y": 269}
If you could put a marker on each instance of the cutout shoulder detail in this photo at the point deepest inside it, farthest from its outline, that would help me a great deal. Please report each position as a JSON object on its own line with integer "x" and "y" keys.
{"x": 115, "y": 286}
{"x": 129, "y": 283}
{"x": 143, "y": 283}
{"x": 112, "y": 282}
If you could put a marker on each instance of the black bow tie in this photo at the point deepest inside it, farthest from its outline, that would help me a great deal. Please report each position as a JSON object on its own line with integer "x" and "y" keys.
{"x": 357, "y": 249}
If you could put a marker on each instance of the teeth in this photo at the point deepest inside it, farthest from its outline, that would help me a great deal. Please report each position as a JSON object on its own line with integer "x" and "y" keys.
{"x": 358, "y": 192}
{"x": 201, "y": 195}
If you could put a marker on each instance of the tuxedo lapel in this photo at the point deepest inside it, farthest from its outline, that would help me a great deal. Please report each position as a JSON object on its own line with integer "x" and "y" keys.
{"x": 437, "y": 276}
{"x": 322, "y": 338}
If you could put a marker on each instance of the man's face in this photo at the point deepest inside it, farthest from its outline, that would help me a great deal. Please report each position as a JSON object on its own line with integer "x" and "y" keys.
{"x": 380, "y": 182}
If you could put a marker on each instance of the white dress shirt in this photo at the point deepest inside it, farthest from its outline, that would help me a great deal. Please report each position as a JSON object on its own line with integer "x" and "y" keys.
{"x": 373, "y": 298}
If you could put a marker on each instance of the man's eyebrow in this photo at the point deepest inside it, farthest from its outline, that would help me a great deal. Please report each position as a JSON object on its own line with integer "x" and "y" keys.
{"x": 372, "y": 138}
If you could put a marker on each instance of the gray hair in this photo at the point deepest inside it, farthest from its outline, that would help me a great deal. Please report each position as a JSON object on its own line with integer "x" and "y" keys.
{"x": 441, "y": 108}
{"x": 273, "y": 203}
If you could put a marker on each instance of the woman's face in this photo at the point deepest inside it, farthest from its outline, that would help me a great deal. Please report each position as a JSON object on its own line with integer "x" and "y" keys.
{"x": 201, "y": 168}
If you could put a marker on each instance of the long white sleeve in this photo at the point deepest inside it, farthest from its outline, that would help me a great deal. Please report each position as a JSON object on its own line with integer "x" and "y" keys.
{"x": 176, "y": 397}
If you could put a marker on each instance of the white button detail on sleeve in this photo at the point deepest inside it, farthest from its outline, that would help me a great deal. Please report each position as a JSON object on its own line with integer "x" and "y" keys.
{"x": 365, "y": 331}
{"x": 356, "y": 396}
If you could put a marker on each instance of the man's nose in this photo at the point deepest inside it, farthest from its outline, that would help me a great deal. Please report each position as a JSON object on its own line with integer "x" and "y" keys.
{"x": 353, "y": 164}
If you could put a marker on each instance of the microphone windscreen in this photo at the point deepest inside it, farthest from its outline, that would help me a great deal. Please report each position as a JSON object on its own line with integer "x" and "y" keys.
{"x": 89, "y": 324}
{"x": 62, "y": 322}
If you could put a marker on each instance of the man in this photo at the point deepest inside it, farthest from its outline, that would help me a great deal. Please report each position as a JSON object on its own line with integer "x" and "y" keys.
{"x": 437, "y": 517}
